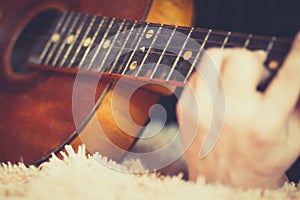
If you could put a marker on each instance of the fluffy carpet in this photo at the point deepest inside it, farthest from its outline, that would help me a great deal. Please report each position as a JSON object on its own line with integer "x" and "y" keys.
{"x": 78, "y": 176}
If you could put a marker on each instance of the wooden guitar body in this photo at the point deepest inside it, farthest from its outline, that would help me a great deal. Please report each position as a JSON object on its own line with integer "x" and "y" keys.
{"x": 36, "y": 106}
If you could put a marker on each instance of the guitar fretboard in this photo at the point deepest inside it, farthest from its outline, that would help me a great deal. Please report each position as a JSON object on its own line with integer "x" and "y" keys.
{"x": 140, "y": 49}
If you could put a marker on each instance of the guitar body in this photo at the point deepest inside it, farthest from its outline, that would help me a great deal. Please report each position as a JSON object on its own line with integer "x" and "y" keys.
{"x": 36, "y": 107}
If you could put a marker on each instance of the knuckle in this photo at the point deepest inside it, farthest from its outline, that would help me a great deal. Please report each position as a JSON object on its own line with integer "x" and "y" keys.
{"x": 263, "y": 132}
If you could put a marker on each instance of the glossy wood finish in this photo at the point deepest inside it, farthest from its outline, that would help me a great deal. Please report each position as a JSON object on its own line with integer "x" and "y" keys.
{"x": 36, "y": 108}
{"x": 33, "y": 119}
{"x": 128, "y": 9}
{"x": 172, "y": 12}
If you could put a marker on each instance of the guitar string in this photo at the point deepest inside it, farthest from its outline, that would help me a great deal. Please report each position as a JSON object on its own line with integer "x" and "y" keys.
{"x": 74, "y": 38}
{"x": 112, "y": 44}
{"x": 226, "y": 40}
{"x": 148, "y": 51}
{"x": 219, "y": 32}
{"x": 281, "y": 41}
{"x": 65, "y": 41}
{"x": 190, "y": 70}
{"x": 135, "y": 49}
{"x": 122, "y": 48}
{"x": 63, "y": 28}
{"x": 249, "y": 38}
{"x": 201, "y": 30}
{"x": 163, "y": 52}
{"x": 179, "y": 55}
{"x": 92, "y": 41}
{"x": 91, "y": 62}
{"x": 197, "y": 56}
{"x": 281, "y": 46}
{"x": 48, "y": 44}
{"x": 133, "y": 40}
{"x": 87, "y": 31}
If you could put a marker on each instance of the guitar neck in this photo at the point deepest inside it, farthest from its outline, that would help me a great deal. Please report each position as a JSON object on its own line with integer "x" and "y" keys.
{"x": 155, "y": 52}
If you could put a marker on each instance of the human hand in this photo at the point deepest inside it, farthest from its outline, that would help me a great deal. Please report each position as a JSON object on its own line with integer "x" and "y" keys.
{"x": 260, "y": 132}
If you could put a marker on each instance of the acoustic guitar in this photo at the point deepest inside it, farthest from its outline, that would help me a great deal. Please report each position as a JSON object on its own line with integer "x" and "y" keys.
{"x": 59, "y": 78}
{"x": 36, "y": 103}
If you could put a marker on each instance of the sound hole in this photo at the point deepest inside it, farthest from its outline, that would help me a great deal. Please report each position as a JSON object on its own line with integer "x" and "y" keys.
{"x": 37, "y": 28}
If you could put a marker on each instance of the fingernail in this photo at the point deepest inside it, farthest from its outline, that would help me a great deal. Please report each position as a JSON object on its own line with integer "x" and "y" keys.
{"x": 296, "y": 40}
{"x": 298, "y": 36}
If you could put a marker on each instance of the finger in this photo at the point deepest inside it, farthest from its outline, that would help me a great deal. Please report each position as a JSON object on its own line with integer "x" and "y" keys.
{"x": 206, "y": 79}
{"x": 243, "y": 70}
{"x": 211, "y": 63}
{"x": 207, "y": 73}
{"x": 293, "y": 140}
{"x": 200, "y": 86}
{"x": 290, "y": 150}
{"x": 283, "y": 92}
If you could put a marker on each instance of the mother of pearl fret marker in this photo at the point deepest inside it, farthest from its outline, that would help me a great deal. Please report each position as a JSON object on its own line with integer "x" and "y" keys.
{"x": 69, "y": 47}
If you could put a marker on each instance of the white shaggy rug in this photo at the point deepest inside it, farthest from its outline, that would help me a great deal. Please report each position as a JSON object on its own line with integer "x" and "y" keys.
{"x": 78, "y": 176}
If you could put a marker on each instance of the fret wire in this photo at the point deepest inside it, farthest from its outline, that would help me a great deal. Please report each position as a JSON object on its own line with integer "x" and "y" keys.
{"x": 217, "y": 43}
{"x": 198, "y": 55}
{"x": 226, "y": 40}
{"x": 270, "y": 45}
{"x": 64, "y": 27}
{"x": 217, "y": 32}
{"x": 281, "y": 48}
{"x": 65, "y": 20}
{"x": 248, "y": 40}
{"x": 92, "y": 42}
{"x": 113, "y": 42}
{"x": 278, "y": 50}
{"x": 179, "y": 55}
{"x": 148, "y": 51}
{"x": 163, "y": 53}
{"x": 87, "y": 31}
{"x": 46, "y": 48}
{"x": 235, "y": 41}
{"x": 235, "y": 45}
{"x": 100, "y": 45}
{"x": 62, "y": 62}
{"x": 167, "y": 54}
{"x": 58, "y": 54}
{"x": 232, "y": 35}
{"x": 122, "y": 48}
{"x": 134, "y": 50}
{"x": 102, "y": 41}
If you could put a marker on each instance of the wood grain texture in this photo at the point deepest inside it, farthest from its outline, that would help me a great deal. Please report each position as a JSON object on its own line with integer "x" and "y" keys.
{"x": 172, "y": 12}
